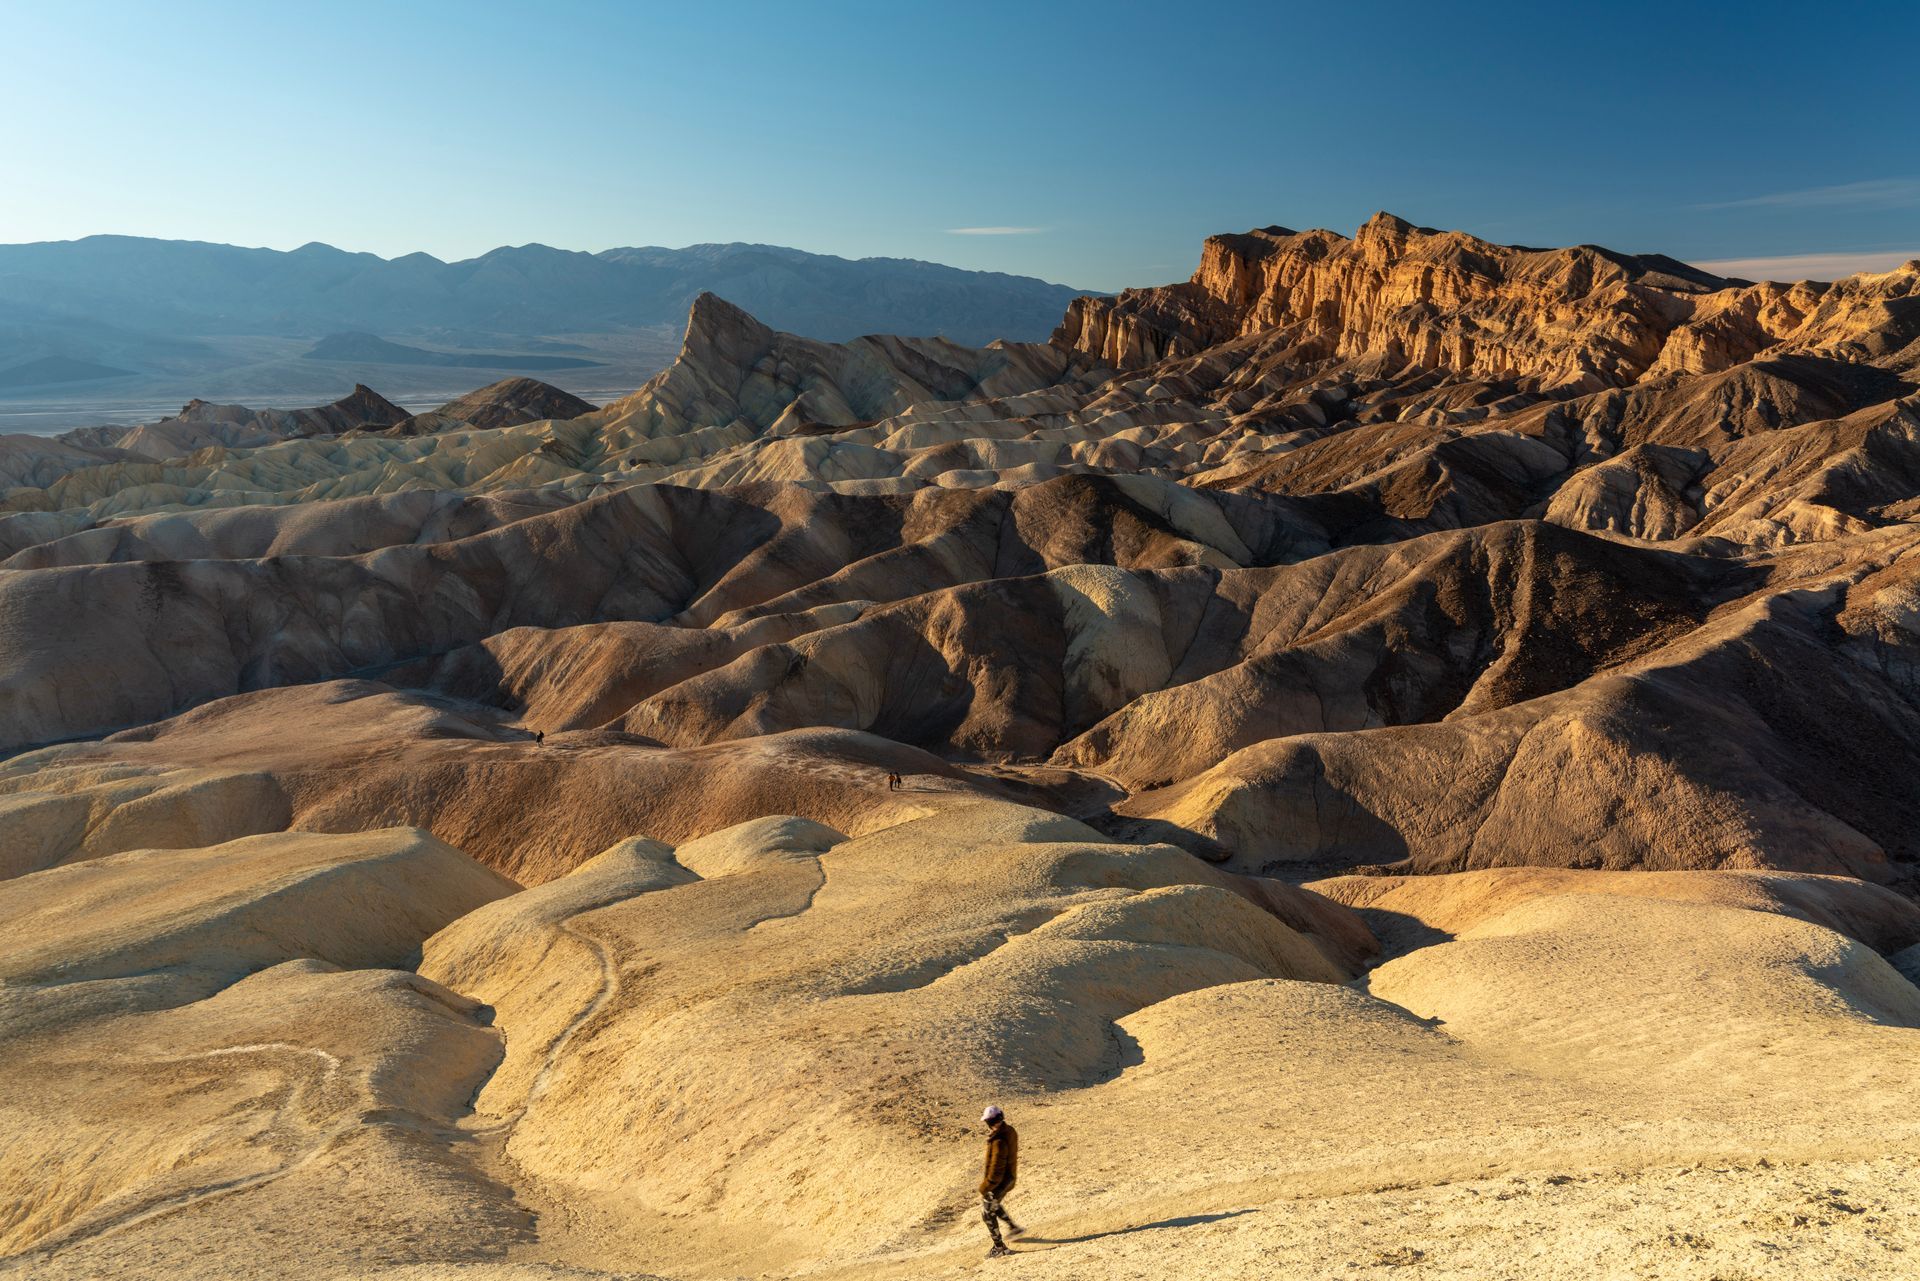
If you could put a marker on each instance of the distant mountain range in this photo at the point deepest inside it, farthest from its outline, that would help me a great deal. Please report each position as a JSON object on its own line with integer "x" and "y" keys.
{"x": 118, "y": 306}
{"x": 50, "y": 370}
{"x": 367, "y": 348}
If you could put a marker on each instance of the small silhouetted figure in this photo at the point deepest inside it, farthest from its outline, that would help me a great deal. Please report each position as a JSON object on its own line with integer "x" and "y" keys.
{"x": 893, "y": 782}
{"x": 539, "y": 736}
{"x": 1003, "y": 1166}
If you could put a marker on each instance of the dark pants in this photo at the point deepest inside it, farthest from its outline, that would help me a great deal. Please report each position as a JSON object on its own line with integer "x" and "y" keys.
{"x": 992, "y": 1213}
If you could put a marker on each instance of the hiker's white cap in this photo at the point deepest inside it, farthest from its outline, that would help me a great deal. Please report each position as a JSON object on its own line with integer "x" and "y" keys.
{"x": 993, "y": 1113}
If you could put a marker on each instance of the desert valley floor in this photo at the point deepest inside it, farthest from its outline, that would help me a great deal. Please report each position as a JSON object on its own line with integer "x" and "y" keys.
{"x": 1407, "y": 754}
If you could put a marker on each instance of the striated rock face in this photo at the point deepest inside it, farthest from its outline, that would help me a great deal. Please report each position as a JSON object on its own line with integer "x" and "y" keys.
{"x": 1411, "y": 296}
{"x": 1417, "y": 299}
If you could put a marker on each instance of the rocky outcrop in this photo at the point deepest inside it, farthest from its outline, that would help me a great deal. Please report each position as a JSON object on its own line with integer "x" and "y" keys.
{"x": 31, "y": 464}
{"x": 1865, "y": 318}
{"x": 507, "y": 403}
{"x": 734, "y": 372}
{"x": 199, "y": 425}
{"x": 1412, "y": 298}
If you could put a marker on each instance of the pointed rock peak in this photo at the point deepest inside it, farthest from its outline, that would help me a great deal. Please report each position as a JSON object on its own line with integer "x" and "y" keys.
{"x": 513, "y": 401}
{"x": 518, "y": 385}
{"x": 712, "y": 312}
{"x": 198, "y": 410}
{"x": 720, "y": 334}
{"x": 1384, "y": 238}
{"x": 1384, "y": 226}
{"x": 369, "y": 406}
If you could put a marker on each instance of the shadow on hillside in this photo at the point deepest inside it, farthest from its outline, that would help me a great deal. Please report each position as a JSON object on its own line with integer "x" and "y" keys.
{"x": 1399, "y": 933}
{"x": 1184, "y": 1221}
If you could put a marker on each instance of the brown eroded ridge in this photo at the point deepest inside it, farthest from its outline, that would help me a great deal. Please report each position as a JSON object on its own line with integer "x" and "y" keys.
{"x": 1395, "y": 752}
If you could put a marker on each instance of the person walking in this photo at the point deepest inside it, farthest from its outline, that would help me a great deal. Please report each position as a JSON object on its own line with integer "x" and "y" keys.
{"x": 1003, "y": 1167}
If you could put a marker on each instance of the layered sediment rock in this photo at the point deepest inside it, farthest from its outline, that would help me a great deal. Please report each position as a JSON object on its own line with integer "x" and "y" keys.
{"x": 650, "y": 832}
{"x": 1418, "y": 299}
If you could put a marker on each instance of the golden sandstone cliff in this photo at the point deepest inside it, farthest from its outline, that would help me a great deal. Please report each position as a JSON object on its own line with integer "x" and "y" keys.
{"x": 1551, "y": 320}
{"x": 1405, "y": 746}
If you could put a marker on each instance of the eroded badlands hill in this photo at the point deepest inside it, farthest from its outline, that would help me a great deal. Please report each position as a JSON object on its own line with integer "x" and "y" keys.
{"x": 488, "y": 811}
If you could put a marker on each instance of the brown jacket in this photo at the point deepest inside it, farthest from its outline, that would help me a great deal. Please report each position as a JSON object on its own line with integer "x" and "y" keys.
{"x": 1003, "y": 1161}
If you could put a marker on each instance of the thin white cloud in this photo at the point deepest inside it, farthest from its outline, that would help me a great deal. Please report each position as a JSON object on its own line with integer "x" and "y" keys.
{"x": 1879, "y": 193}
{"x": 1792, "y": 267}
{"x": 995, "y": 231}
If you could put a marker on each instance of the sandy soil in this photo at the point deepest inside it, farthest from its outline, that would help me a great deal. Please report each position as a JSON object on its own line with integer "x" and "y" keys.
{"x": 759, "y": 1055}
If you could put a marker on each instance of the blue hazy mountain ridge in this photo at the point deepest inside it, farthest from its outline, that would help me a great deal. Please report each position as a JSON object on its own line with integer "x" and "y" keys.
{"x": 53, "y": 294}
{"x": 361, "y": 348}
{"x": 49, "y": 370}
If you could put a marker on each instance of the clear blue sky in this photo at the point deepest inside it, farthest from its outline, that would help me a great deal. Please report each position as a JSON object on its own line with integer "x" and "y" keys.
{"x": 1104, "y": 140}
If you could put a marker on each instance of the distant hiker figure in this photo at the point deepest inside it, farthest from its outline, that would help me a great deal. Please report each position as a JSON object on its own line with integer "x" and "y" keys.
{"x": 893, "y": 782}
{"x": 1003, "y": 1165}
{"x": 539, "y": 736}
